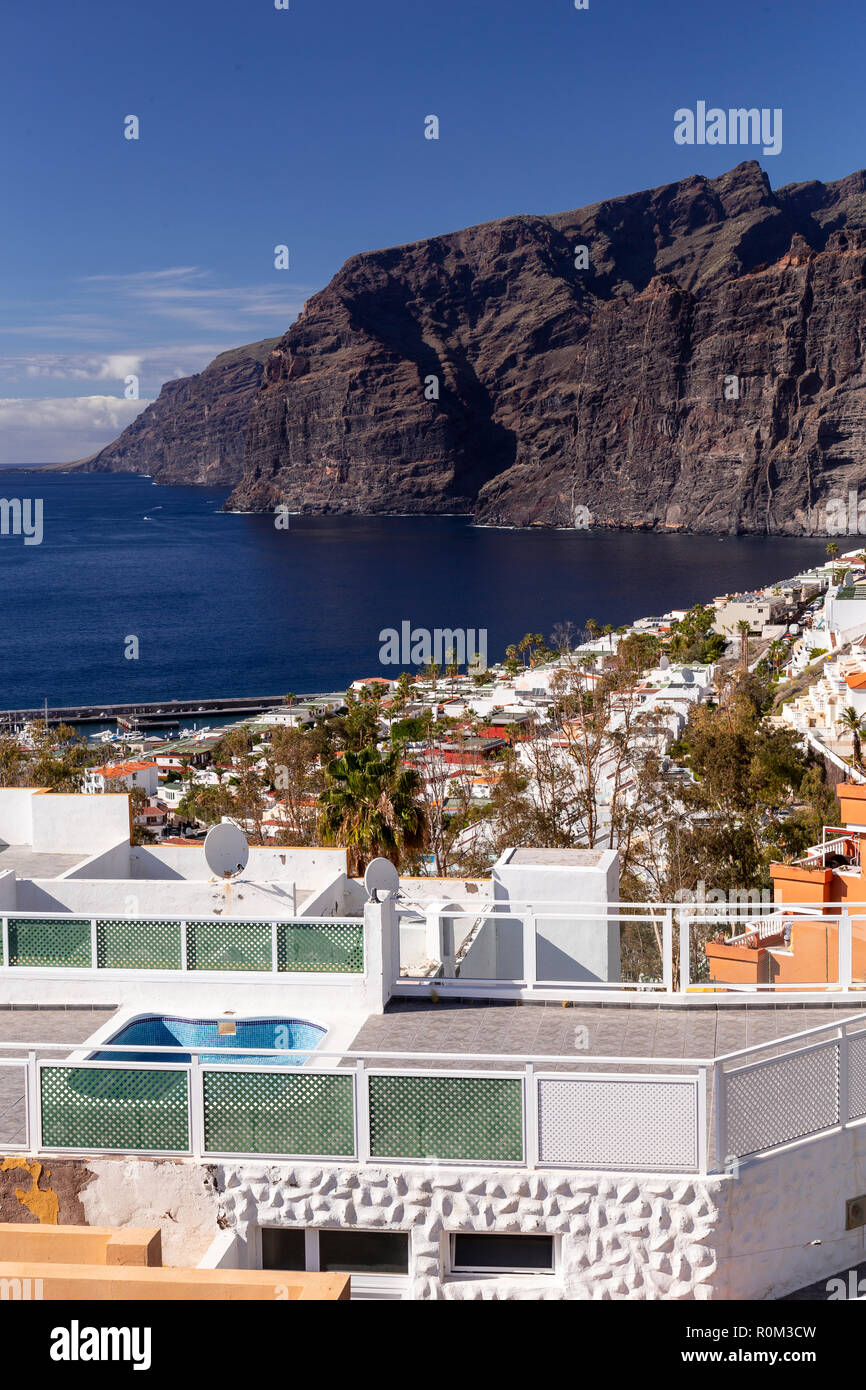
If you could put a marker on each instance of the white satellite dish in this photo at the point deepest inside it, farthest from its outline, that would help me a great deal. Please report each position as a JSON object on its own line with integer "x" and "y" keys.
{"x": 847, "y": 580}
{"x": 226, "y": 850}
{"x": 380, "y": 876}
{"x": 664, "y": 664}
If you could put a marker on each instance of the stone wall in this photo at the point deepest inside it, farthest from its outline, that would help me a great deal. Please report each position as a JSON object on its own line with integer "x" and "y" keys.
{"x": 775, "y": 1227}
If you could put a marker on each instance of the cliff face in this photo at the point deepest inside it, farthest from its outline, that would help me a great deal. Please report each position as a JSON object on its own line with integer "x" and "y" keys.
{"x": 607, "y": 387}
{"x": 194, "y": 431}
{"x": 702, "y": 371}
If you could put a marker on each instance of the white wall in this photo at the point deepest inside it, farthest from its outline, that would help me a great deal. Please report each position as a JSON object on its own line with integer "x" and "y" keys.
{"x": 8, "y": 890}
{"x": 573, "y": 949}
{"x": 16, "y": 826}
{"x": 305, "y": 866}
{"x": 109, "y": 863}
{"x": 69, "y": 823}
{"x": 104, "y": 897}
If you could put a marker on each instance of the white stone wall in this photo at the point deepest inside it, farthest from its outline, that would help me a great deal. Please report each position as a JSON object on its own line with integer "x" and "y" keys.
{"x": 775, "y": 1228}
{"x": 621, "y": 1237}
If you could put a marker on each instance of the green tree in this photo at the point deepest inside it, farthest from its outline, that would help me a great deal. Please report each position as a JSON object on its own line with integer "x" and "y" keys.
{"x": 851, "y": 722}
{"x": 371, "y": 805}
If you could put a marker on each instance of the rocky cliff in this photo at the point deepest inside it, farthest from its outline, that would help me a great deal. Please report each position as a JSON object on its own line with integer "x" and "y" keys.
{"x": 697, "y": 365}
{"x": 194, "y": 431}
{"x": 703, "y": 371}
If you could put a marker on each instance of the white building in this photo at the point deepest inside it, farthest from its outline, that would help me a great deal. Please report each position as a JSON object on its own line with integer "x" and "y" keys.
{"x": 113, "y": 777}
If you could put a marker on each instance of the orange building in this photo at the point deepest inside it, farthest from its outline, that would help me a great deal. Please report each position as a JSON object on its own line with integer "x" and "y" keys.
{"x": 801, "y": 947}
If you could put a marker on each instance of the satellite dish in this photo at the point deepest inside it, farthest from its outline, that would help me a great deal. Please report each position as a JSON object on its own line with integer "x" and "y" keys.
{"x": 664, "y": 664}
{"x": 847, "y": 580}
{"x": 380, "y": 876}
{"x": 688, "y": 676}
{"x": 226, "y": 850}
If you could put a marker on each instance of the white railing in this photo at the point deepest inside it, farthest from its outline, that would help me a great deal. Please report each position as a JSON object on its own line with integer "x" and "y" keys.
{"x": 813, "y": 1084}
{"x": 622, "y": 950}
{"x": 164, "y": 944}
{"x": 500, "y": 1110}
{"x": 596, "y": 1113}
{"x": 512, "y": 950}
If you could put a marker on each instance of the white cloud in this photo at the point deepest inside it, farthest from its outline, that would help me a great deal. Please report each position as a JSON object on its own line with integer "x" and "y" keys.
{"x": 61, "y": 429}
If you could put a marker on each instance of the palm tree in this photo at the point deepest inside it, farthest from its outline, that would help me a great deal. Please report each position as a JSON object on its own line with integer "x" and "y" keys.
{"x": 372, "y": 806}
{"x": 744, "y": 629}
{"x": 852, "y": 724}
{"x": 592, "y": 627}
{"x": 832, "y": 550}
{"x": 776, "y": 652}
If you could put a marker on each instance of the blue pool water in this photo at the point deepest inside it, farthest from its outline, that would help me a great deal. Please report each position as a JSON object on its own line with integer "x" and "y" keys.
{"x": 162, "y": 1030}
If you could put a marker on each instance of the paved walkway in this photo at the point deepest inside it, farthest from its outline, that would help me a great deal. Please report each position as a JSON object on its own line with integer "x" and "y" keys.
{"x": 66, "y": 1027}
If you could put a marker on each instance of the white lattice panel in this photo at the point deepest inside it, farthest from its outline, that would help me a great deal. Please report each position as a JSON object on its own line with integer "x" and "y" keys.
{"x": 782, "y": 1099}
{"x": 857, "y": 1075}
{"x": 607, "y": 1122}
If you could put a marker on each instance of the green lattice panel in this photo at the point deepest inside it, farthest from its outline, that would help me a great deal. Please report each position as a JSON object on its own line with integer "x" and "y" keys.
{"x": 136, "y": 944}
{"x": 336, "y": 948}
{"x": 106, "y": 1108}
{"x": 473, "y": 1119}
{"x": 218, "y": 945}
{"x": 45, "y": 941}
{"x": 298, "y": 1113}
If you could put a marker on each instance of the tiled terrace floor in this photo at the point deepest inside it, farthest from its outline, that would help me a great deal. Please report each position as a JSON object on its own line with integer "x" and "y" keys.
{"x": 612, "y": 1030}
{"x": 66, "y": 1027}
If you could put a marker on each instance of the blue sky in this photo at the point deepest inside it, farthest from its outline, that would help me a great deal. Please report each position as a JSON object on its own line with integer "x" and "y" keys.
{"x": 306, "y": 127}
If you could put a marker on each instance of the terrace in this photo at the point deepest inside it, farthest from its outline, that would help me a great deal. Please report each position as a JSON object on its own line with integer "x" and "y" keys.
{"x": 486, "y": 1038}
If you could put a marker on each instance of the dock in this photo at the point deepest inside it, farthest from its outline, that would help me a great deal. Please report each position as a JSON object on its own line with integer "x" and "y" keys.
{"x": 148, "y": 714}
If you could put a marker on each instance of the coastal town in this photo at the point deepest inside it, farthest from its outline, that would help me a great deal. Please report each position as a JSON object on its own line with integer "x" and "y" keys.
{"x": 562, "y": 740}
{"x": 268, "y": 1029}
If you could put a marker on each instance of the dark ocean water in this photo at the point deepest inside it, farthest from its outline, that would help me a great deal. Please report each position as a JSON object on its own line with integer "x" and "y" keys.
{"x": 225, "y": 604}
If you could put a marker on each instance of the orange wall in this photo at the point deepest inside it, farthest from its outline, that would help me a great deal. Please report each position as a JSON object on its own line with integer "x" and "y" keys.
{"x": 90, "y": 1282}
{"x": 89, "y": 1245}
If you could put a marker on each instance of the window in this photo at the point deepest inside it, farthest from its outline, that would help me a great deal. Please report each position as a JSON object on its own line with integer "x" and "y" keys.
{"x": 283, "y": 1247}
{"x": 364, "y": 1252}
{"x": 337, "y": 1251}
{"x": 473, "y": 1254}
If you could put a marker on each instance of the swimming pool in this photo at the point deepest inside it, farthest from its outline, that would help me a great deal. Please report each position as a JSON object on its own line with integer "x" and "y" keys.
{"x": 166, "y": 1030}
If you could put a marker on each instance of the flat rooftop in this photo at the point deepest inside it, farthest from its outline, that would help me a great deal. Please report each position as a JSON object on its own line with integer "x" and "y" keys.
{"x": 33, "y": 863}
{"x": 558, "y": 858}
{"x": 573, "y": 1033}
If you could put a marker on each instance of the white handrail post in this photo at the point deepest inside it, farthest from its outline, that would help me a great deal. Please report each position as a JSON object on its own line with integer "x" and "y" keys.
{"x": 274, "y": 948}
{"x": 34, "y": 1104}
{"x": 5, "y": 940}
{"x": 668, "y": 951}
{"x": 701, "y": 1120}
{"x": 530, "y": 1111}
{"x": 721, "y": 1100}
{"x": 94, "y": 945}
{"x": 685, "y": 967}
{"x": 183, "y": 947}
{"x": 845, "y": 951}
{"x": 844, "y": 1078}
{"x": 529, "y": 949}
{"x": 195, "y": 1081}
{"x": 362, "y": 1111}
